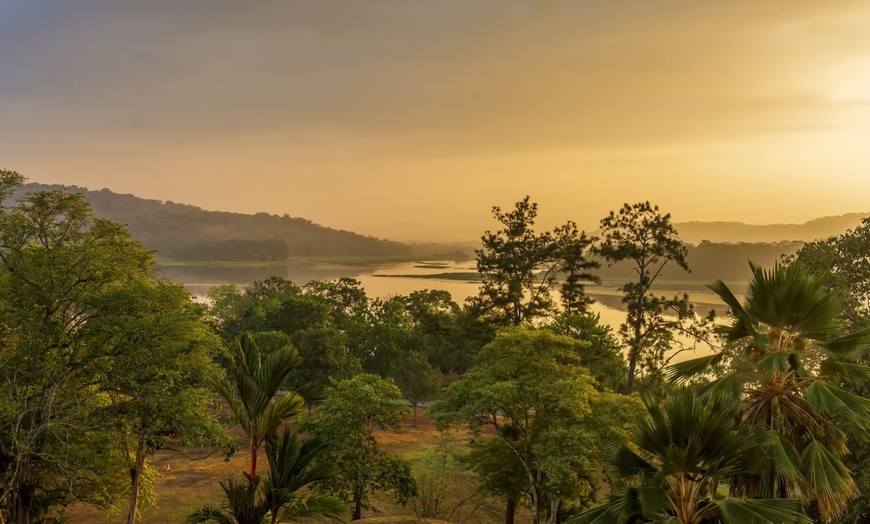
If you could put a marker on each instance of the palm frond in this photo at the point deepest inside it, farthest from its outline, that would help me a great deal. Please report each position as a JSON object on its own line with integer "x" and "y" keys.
{"x": 689, "y": 369}
{"x": 762, "y": 511}
{"x": 829, "y": 478}
{"x": 836, "y": 401}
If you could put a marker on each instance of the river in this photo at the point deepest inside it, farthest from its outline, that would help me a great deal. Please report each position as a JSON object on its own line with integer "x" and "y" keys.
{"x": 383, "y": 280}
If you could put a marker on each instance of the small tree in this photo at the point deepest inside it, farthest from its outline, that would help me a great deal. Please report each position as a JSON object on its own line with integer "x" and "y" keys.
{"x": 348, "y": 416}
{"x": 640, "y": 234}
{"x": 417, "y": 379}
{"x": 252, "y": 386}
{"x": 285, "y": 494}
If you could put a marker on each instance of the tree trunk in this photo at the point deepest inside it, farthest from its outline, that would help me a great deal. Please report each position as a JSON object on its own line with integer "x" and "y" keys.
{"x": 254, "y": 449}
{"x": 357, "y": 504}
{"x": 415, "y": 415}
{"x": 632, "y": 366}
{"x": 136, "y": 482}
{"x": 22, "y": 505}
{"x": 510, "y": 510}
{"x": 21, "y": 495}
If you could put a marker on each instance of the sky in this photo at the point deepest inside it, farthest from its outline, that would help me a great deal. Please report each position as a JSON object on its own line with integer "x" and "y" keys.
{"x": 410, "y": 119}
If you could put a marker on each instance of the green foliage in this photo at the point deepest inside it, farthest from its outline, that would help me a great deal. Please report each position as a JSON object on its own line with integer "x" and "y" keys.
{"x": 576, "y": 268}
{"x": 603, "y": 356}
{"x": 417, "y": 379}
{"x": 843, "y": 264}
{"x": 95, "y": 353}
{"x": 529, "y": 387}
{"x": 640, "y": 234}
{"x": 348, "y": 416}
{"x": 683, "y": 458}
{"x": 520, "y": 266}
{"x": 785, "y": 362}
{"x": 158, "y": 386}
{"x": 251, "y": 387}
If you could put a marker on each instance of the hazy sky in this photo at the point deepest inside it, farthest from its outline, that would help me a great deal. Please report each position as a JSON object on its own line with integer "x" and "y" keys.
{"x": 410, "y": 119}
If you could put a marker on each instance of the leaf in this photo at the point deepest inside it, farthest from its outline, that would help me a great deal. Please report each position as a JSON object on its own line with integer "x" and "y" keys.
{"x": 829, "y": 478}
{"x": 849, "y": 345}
{"x": 833, "y": 400}
{"x": 762, "y": 511}
{"x": 688, "y": 369}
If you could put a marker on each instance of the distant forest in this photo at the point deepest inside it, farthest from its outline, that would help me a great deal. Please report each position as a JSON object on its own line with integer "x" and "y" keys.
{"x": 185, "y": 232}
{"x": 715, "y": 260}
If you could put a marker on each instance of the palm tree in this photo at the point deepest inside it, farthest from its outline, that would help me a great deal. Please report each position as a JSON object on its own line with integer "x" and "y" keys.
{"x": 294, "y": 465}
{"x": 785, "y": 357}
{"x": 243, "y": 504}
{"x": 685, "y": 456}
{"x": 254, "y": 380}
{"x": 284, "y": 496}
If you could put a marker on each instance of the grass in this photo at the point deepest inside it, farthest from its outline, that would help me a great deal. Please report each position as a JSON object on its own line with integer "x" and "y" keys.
{"x": 185, "y": 485}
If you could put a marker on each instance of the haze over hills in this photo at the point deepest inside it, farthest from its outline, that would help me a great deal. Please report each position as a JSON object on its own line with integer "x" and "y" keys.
{"x": 694, "y": 232}
{"x": 186, "y": 232}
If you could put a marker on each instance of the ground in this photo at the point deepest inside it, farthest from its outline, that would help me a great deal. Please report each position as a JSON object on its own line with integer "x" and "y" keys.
{"x": 184, "y": 485}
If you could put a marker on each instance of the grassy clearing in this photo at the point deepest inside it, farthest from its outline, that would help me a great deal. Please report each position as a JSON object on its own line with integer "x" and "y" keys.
{"x": 185, "y": 485}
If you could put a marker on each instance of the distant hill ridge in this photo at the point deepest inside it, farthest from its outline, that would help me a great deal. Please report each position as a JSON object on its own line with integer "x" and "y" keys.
{"x": 186, "y": 232}
{"x": 695, "y": 232}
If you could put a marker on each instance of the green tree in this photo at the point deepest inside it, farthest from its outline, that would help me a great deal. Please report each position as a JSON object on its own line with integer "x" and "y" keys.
{"x": 603, "y": 356}
{"x": 528, "y": 386}
{"x": 646, "y": 238}
{"x": 520, "y": 266}
{"x": 348, "y": 417}
{"x": 842, "y": 263}
{"x": 786, "y": 358}
{"x": 417, "y": 379}
{"x": 252, "y": 384}
{"x": 683, "y": 458}
{"x": 60, "y": 271}
{"x": 158, "y": 384}
{"x": 285, "y": 495}
{"x": 576, "y": 267}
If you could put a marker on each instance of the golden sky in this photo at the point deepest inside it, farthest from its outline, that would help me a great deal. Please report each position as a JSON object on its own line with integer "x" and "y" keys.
{"x": 410, "y": 119}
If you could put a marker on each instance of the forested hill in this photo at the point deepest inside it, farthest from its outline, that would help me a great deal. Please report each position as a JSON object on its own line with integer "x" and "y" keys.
{"x": 185, "y": 232}
{"x": 696, "y": 232}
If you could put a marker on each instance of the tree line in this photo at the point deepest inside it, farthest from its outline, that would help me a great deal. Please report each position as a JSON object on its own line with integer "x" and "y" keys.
{"x": 575, "y": 422}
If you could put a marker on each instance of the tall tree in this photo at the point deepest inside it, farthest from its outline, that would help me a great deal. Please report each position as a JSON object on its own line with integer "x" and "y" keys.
{"x": 785, "y": 360}
{"x": 348, "y": 417}
{"x": 59, "y": 269}
{"x": 251, "y": 387}
{"x": 542, "y": 406}
{"x": 520, "y": 266}
{"x": 646, "y": 238}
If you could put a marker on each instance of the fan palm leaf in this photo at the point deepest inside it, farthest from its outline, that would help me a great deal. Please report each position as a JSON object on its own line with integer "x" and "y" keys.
{"x": 786, "y": 352}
